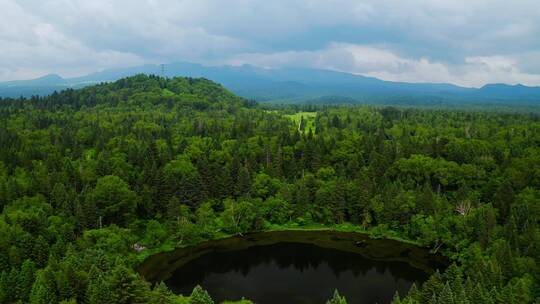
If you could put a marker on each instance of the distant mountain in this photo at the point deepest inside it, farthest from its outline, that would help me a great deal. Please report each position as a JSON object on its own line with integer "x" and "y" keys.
{"x": 292, "y": 85}
{"x": 39, "y": 86}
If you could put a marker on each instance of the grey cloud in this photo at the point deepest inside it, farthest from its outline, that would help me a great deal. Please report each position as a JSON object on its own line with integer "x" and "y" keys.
{"x": 75, "y": 36}
{"x": 385, "y": 64}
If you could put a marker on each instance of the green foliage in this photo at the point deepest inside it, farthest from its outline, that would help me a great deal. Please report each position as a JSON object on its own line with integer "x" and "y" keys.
{"x": 161, "y": 294}
{"x": 114, "y": 201}
{"x": 206, "y": 218}
{"x": 99, "y": 290}
{"x": 304, "y": 120}
{"x": 44, "y": 288}
{"x": 155, "y": 233}
{"x": 240, "y": 216}
{"x": 200, "y": 296}
{"x": 276, "y": 210}
{"x": 337, "y": 299}
{"x": 85, "y": 175}
{"x": 126, "y": 286}
{"x": 265, "y": 186}
{"x": 25, "y": 280}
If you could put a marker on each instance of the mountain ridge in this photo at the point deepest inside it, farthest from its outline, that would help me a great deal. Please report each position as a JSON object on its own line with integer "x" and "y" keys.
{"x": 286, "y": 84}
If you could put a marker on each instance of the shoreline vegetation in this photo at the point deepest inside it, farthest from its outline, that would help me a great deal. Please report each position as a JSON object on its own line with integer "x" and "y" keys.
{"x": 374, "y": 234}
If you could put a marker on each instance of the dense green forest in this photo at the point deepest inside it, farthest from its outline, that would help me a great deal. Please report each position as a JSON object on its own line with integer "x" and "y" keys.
{"x": 155, "y": 163}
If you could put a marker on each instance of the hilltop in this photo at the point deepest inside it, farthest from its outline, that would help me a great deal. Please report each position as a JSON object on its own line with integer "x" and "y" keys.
{"x": 197, "y": 92}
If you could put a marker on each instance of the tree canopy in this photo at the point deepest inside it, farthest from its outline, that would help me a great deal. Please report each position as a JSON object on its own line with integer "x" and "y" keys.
{"x": 85, "y": 175}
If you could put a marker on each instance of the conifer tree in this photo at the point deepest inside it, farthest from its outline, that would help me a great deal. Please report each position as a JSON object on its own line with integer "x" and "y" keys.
{"x": 396, "y": 299}
{"x": 44, "y": 288}
{"x": 337, "y": 299}
{"x": 200, "y": 296}
{"x": 125, "y": 286}
{"x": 446, "y": 295}
{"x": 431, "y": 287}
{"x": 26, "y": 279}
{"x": 98, "y": 290}
{"x": 161, "y": 294}
{"x": 5, "y": 291}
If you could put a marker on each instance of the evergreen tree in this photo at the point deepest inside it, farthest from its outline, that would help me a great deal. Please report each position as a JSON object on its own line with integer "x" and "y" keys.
{"x": 99, "y": 290}
{"x": 126, "y": 286}
{"x": 243, "y": 185}
{"x": 396, "y": 299}
{"x": 161, "y": 294}
{"x": 200, "y": 296}
{"x": 40, "y": 251}
{"x": 337, "y": 299}
{"x": 6, "y": 296}
{"x": 25, "y": 280}
{"x": 446, "y": 295}
{"x": 431, "y": 287}
{"x": 44, "y": 288}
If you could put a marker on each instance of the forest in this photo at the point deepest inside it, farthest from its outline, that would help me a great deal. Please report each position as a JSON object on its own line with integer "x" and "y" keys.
{"x": 94, "y": 180}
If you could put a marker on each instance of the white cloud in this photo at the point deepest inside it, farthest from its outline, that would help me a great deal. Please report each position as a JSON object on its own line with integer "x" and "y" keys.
{"x": 384, "y": 64}
{"x": 35, "y": 47}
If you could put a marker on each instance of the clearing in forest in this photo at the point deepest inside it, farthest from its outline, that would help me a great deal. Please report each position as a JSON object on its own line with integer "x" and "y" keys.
{"x": 304, "y": 120}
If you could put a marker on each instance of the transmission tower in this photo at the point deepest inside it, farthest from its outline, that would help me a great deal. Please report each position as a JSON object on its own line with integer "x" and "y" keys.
{"x": 162, "y": 66}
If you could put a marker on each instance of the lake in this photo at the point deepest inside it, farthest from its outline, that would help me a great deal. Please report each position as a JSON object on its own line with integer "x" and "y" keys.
{"x": 295, "y": 267}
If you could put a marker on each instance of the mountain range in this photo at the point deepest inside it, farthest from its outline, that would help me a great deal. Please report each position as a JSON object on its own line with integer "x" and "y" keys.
{"x": 289, "y": 85}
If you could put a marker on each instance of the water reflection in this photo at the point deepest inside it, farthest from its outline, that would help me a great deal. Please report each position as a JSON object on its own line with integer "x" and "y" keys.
{"x": 294, "y": 273}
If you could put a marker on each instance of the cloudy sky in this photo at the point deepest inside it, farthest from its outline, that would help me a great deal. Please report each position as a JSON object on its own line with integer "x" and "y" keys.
{"x": 466, "y": 42}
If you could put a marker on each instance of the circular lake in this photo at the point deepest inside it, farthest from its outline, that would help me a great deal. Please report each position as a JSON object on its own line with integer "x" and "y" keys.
{"x": 295, "y": 267}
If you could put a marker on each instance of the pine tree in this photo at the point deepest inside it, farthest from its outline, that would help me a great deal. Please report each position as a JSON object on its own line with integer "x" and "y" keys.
{"x": 40, "y": 251}
{"x": 396, "y": 299}
{"x": 454, "y": 276}
{"x": 302, "y": 125}
{"x": 98, "y": 290}
{"x": 414, "y": 294}
{"x": 122, "y": 285}
{"x": 446, "y": 296}
{"x": 479, "y": 295}
{"x": 161, "y": 294}
{"x": 26, "y": 279}
{"x": 63, "y": 284}
{"x": 200, "y": 296}
{"x": 503, "y": 198}
{"x": 431, "y": 287}
{"x": 461, "y": 298}
{"x": 86, "y": 213}
{"x": 5, "y": 296}
{"x": 469, "y": 287}
{"x": 44, "y": 289}
{"x": 243, "y": 185}
{"x": 452, "y": 273}
{"x": 14, "y": 289}
{"x": 337, "y": 299}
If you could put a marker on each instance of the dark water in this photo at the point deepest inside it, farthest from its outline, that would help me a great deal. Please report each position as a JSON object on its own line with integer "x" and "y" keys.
{"x": 295, "y": 267}
{"x": 294, "y": 273}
